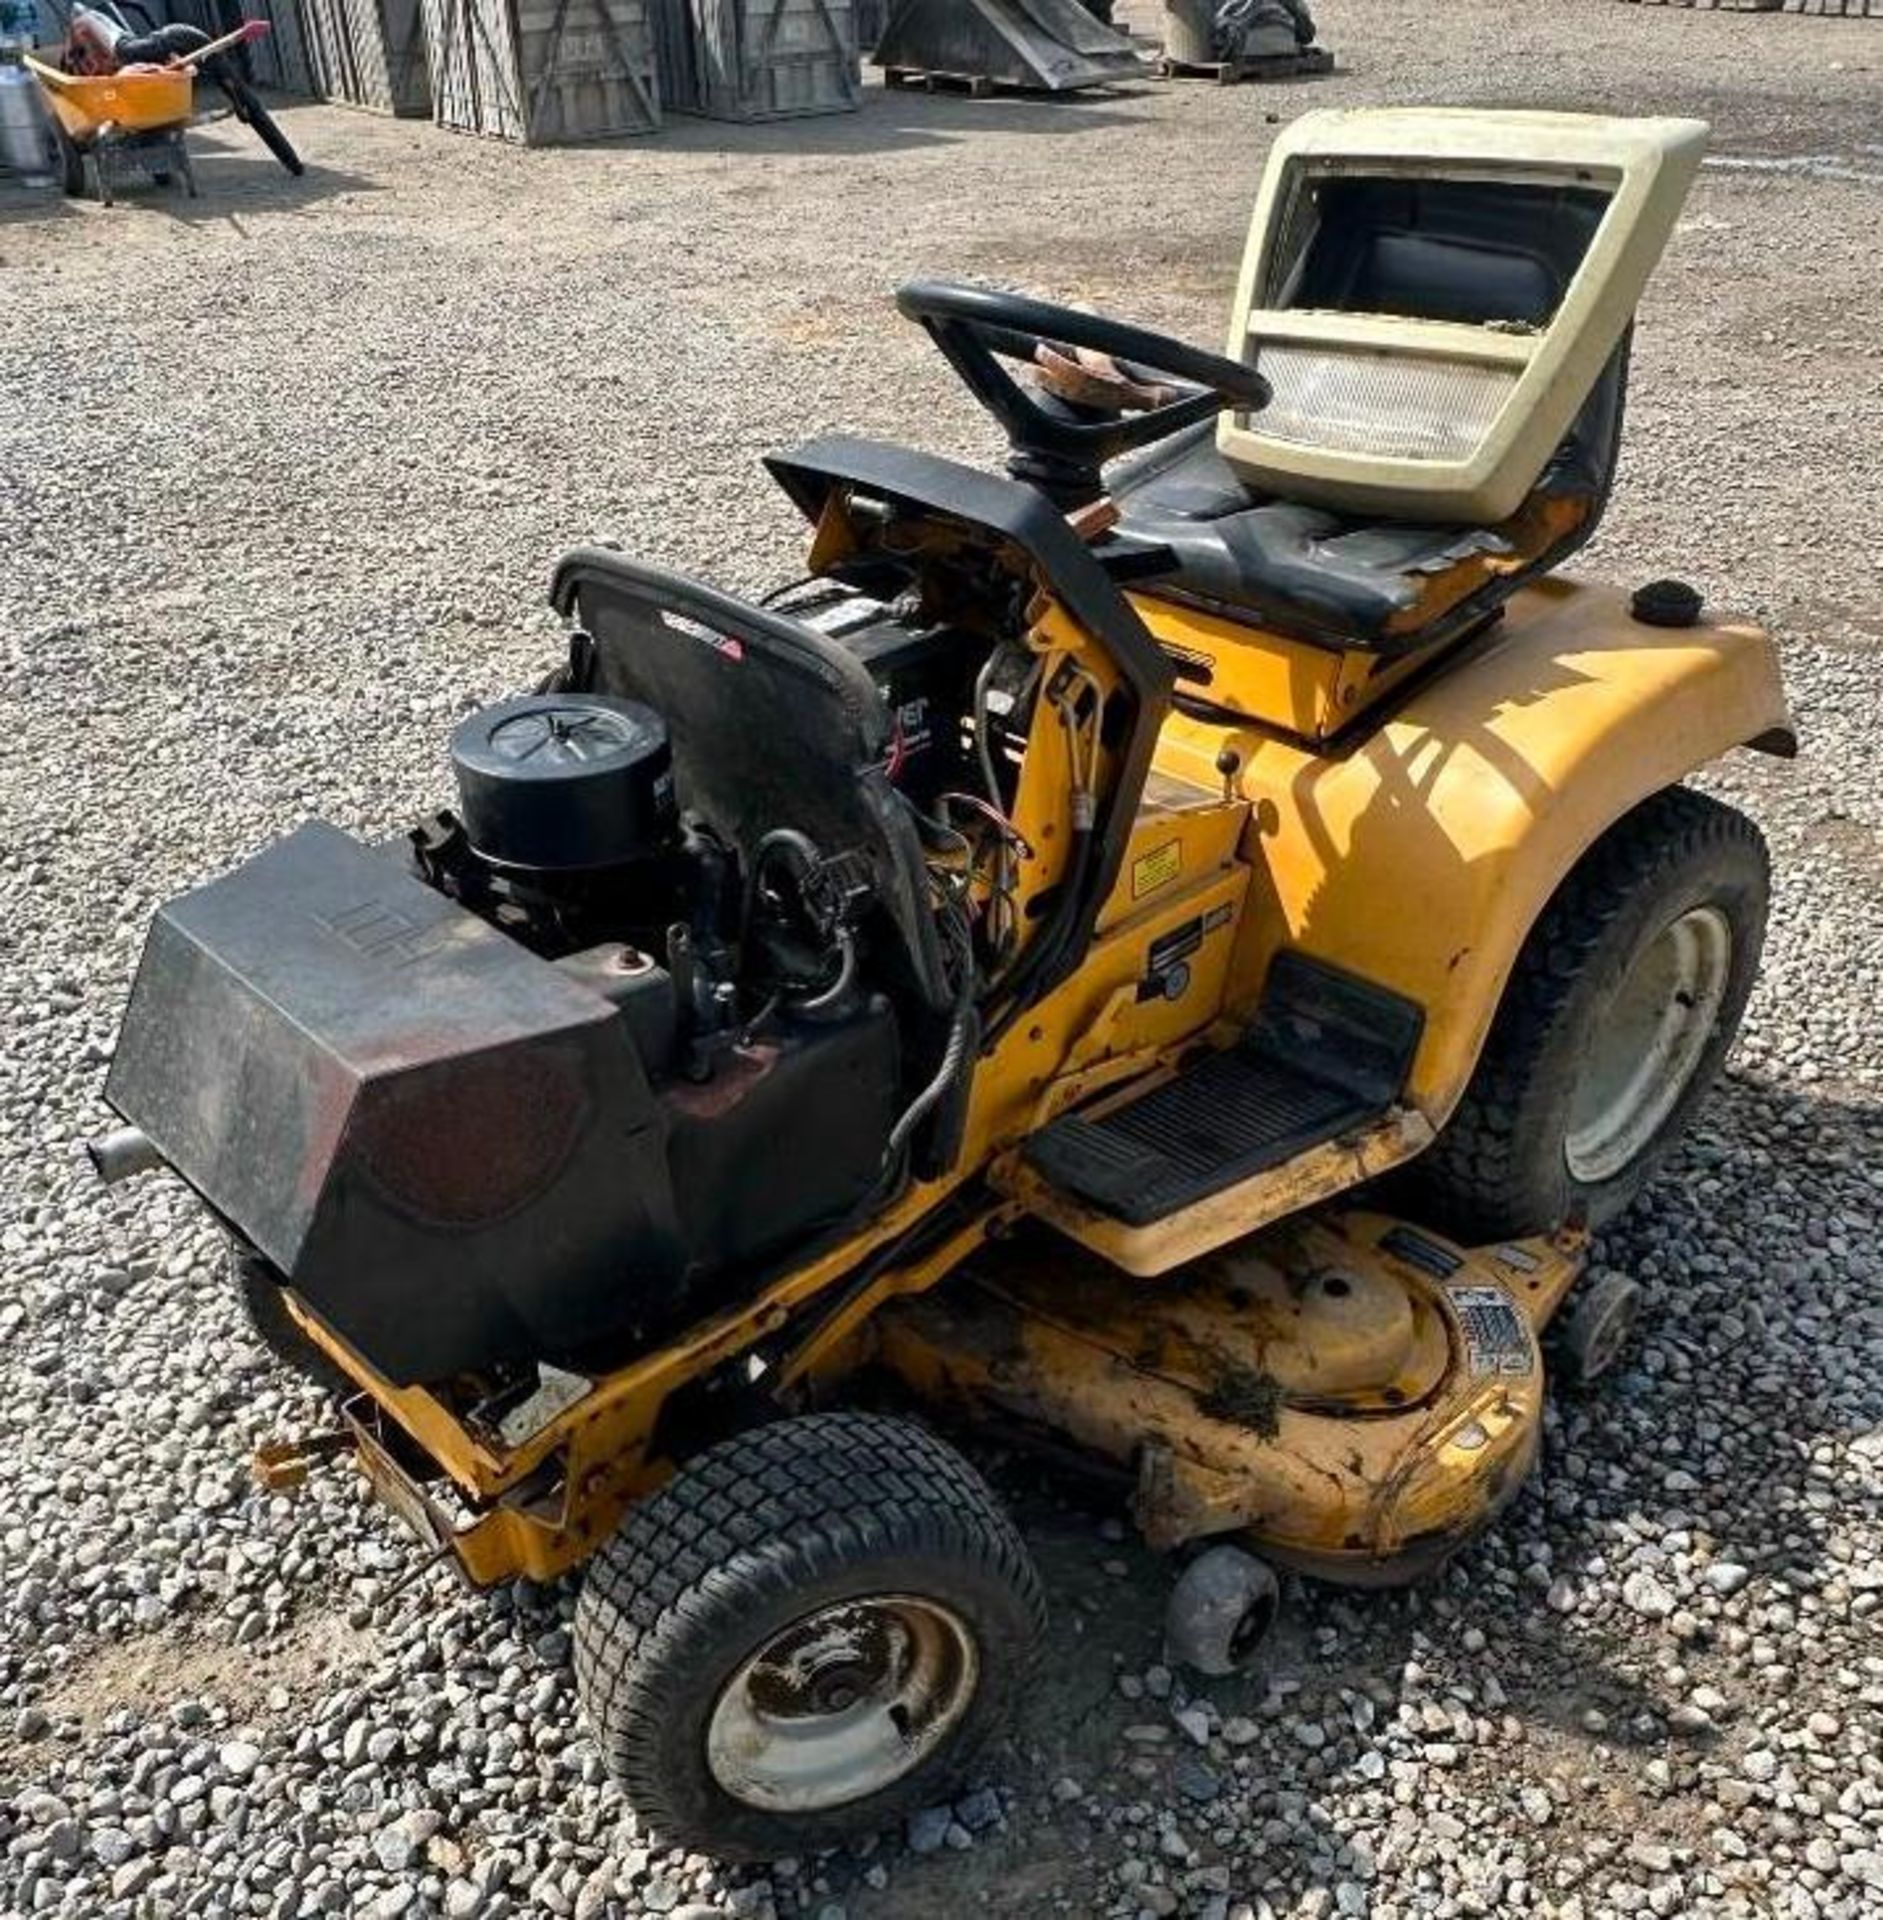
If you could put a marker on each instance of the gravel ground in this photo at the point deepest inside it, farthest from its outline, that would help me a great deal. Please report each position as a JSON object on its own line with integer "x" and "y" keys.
{"x": 295, "y": 464}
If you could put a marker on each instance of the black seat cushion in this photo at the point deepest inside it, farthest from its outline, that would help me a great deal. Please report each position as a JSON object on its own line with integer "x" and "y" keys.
{"x": 1356, "y": 582}
{"x": 1302, "y": 568}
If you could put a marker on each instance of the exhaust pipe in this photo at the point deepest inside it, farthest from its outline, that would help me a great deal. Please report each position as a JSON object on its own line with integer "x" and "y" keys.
{"x": 116, "y": 1156}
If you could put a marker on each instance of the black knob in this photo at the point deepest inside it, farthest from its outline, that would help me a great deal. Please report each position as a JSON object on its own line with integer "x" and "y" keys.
{"x": 1667, "y": 603}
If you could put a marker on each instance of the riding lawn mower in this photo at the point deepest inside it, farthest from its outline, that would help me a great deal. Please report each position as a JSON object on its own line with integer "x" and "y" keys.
{"x": 1164, "y": 955}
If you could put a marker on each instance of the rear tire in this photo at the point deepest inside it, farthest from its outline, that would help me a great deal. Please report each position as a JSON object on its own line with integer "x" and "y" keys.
{"x": 811, "y": 1630}
{"x": 1616, "y": 1018}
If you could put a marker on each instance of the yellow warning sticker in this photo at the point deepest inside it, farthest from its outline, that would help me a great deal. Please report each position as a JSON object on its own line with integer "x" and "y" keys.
{"x": 1156, "y": 869}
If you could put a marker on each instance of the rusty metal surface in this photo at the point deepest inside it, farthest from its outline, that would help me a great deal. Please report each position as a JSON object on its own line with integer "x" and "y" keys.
{"x": 543, "y": 1505}
{"x": 1360, "y": 1396}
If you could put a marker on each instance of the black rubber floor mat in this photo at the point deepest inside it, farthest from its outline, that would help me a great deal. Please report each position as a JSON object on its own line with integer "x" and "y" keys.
{"x": 1325, "y": 1053}
{"x": 1233, "y": 1115}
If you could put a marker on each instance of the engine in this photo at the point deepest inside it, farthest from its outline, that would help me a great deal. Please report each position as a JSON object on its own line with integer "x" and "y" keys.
{"x": 568, "y": 838}
{"x": 565, "y": 1068}
{"x": 571, "y": 837}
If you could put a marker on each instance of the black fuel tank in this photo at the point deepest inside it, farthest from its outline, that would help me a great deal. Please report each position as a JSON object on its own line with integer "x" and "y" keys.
{"x": 447, "y": 1145}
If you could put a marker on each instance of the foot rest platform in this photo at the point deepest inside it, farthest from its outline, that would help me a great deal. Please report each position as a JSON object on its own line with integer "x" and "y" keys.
{"x": 1325, "y": 1053}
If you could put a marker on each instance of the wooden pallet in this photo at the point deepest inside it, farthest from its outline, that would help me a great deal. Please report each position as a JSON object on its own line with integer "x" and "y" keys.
{"x": 1227, "y": 73}
{"x": 976, "y": 85}
{"x": 1830, "y": 9}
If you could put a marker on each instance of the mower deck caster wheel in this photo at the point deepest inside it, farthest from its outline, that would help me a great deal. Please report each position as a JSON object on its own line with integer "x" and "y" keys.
{"x": 1221, "y": 1611}
{"x": 1599, "y": 1327}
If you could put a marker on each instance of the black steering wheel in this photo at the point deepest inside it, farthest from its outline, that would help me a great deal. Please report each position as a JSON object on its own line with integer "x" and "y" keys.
{"x": 1057, "y": 445}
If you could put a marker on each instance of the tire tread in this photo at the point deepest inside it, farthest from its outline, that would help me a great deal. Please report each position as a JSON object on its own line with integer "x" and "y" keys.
{"x": 1471, "y": 1181}
{"x": 753, "y": 1519}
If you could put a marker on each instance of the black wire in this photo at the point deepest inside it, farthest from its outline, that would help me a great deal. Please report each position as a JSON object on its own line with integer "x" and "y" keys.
{"x": 913, "y": 1241}
{"x": 992, "y": 816}
{"x": 780, "y": 839}
{"x": 939, "y": 830}
{"x": 1033, "y": 972}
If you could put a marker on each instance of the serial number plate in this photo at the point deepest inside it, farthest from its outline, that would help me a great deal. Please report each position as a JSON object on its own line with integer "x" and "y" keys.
{"x": 1497, "y": 1336}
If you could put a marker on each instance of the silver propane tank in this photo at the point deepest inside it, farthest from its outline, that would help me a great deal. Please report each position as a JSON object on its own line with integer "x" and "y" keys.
{"x": 25, "y": 132}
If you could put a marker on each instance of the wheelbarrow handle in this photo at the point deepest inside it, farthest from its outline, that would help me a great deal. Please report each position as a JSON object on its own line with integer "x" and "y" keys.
{"x": 57, "y": 81}
{"x": 63, "y": 82}
{"x": 247, "y": 31}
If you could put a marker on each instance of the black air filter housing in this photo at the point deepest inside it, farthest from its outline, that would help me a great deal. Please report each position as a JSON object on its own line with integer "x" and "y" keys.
{"x": 565, "y": 782}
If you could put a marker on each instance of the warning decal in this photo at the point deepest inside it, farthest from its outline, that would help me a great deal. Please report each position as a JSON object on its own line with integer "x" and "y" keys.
{"x": 1155, "y": 869}
{"x": 1497, "y": 1336}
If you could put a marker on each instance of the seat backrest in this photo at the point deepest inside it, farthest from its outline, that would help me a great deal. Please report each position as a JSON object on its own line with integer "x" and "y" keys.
{"x": 1466, "y": 251}
{"x": 1436, "y": 297}
{"x": 773, "y": 725}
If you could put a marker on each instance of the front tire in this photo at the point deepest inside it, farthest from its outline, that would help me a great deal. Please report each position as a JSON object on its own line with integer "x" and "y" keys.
{"x": 808, "y": 1632}
{"x": 1221, "y": 1612}
{"x": 259, "y": 1286}
{"x": 1615, "y": 1020}
{"x": 1599, "y": 1327}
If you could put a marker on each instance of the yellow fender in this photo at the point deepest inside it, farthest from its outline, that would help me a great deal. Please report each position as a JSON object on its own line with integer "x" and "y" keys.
{"x": 1421, "y": 854}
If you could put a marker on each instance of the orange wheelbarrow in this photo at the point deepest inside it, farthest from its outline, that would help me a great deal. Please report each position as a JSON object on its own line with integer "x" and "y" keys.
{"x": 132, "y": 120}
{"x": 119, "y": 121}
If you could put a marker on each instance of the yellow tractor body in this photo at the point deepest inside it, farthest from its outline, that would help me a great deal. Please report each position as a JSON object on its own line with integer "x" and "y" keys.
{"x": 1419, "y": 855}
{"x": 1164, "y": 962}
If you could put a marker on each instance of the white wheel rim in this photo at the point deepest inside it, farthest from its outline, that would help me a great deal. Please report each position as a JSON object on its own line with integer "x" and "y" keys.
{"x": 842, "y": 1703}
{"x": 1648, "y": 1043}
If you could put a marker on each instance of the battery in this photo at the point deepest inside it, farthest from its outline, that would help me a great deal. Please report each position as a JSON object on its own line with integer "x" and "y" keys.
{"x": 926, "y": 675}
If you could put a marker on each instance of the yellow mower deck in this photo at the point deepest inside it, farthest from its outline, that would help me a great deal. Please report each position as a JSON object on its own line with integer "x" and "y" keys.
{"x": 1359, "y": 1395}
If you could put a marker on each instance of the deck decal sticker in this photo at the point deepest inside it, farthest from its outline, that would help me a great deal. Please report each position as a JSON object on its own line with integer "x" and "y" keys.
{"x": 1496, "y": 1334}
